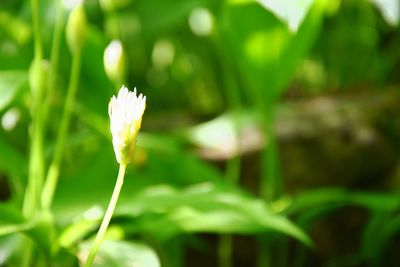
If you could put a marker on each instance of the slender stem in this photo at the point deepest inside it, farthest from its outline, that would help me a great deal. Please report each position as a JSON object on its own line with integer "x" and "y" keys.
{"x": 232, "y": 172}
{"x": 270, "y": 178}
{"x": 264, "y": 256}
{"x": 36, "y": 157}
{"x": 54, "y": 169}
{"x": 36, "y": 168}
{"x": 225, "y": 246}
{"x": 225, "y": 250}
{"x": 36, "y": 29}
{"x": 107, "y": 216}
{"x": 271, "y": 186}
{"x": 54, "y": 56}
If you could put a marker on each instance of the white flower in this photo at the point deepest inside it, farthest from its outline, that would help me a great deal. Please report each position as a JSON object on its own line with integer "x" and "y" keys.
{"x": 126, "y": 111}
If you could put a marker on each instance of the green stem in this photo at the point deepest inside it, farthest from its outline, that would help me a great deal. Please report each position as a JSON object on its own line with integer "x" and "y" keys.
{"x": 36, "y": 157}
{"x": 232, "y": 173}
{"x": 264, "y": 257}
{"x": 36, "y": 29}
{"x": 271, "y": 186}
{"x": 54, "y": 169}
{"x": 36, "y": 168}
{"x": 107, "y": 216}
{"x": 54, "y": 56}
{"x": 225, "y": 250}
{"x": 270, "y": 181}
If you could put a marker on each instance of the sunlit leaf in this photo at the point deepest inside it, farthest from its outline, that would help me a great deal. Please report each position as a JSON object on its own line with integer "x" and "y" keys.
{"x": 12, "y": 162}
{"x": 205, "y": 208}
{"x": 390, "y": 10}
{"x": 11, "y": 82}
{"x": 266, "y": 52}
{"x": 292, "y": 12}
{"x": 123, "y": 253}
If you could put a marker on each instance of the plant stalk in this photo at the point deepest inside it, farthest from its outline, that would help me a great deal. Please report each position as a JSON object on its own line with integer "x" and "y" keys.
{"x": 36, "y": 157}
{"x": 54, "y": 168}
{"x": 54, "y": 56}
{"x": 107, "y": 217}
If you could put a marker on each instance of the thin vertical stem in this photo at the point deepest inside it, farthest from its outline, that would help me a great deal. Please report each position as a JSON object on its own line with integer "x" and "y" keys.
{"x": 36, "y": 156}
{"x": 54, "y": 56}
{"x": 232, "y": 173}
{"x": 270, "y": 175}
{"x": 225, "y": 250}
{"x": 36, "y": 29}
{"x": 54, "y": 168}
{"x": 264, "y": 256}
{"x": 107, "y": 217}
{"x": 270, "y": 179}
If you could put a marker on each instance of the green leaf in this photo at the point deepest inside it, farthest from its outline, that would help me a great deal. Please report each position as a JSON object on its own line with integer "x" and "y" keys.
{"x": 100, "y": 168}
{"x": 122, "y": 253}
{"x": 77, "y": 230}
{"x": 39, "y": 228}
{"x": 11, "y": 220}
{"x": 379, "y": 232}
{"x": 11, "y": 81}
{"x": 207, "y": 208}
{"x": 267, "y": 53}
{"x": 336, "y": 197}
{"x": 9, "y": 248}
{"x": 10, "y": 214}
{"x": 390, "y": 10}
{"x": 12, "y": 163}
{"x": 292, "y": 12}
{"x": 168, "y": 13}
{"x": 219, "y": 137}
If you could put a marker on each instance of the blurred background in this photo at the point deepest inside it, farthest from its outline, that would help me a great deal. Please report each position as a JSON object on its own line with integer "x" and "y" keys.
{"x": 271, "y": 134}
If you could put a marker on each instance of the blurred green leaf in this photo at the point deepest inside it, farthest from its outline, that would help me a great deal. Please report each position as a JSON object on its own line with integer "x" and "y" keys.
{"x": 11, "y": 82}
{"x": 227, "y": 135}
{"x": 39, "y": 228}
{"x": 206, "y": 208}
{"x": 382, "y": 228}
{"x": 9, "y": 247}
{"x": 12, "y": 162}
{"x": 267, "y": 53}
{"x": 77, "y": 230}
{"x": 168, "y": 13}
{"x": 100, "y": 168}
{"x": 11, "y": 220}
{"x": 16, "y": 28}
{"x": 122, "y": 253}
{"x": 390, "y": 10}
{"x": 10, "y": 214}
{"x": 337, "y": 197}
{"x": 292, "y": 12}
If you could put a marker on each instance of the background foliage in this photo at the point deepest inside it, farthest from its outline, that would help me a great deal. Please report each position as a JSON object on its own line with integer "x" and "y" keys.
{"x": 270, "y": 136}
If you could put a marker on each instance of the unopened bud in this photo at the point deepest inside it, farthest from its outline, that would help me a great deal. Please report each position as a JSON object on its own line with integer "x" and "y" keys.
{"x": 114, "y": 61}
{"x": 76, "y": 29}
{"x": 37, "y": 75}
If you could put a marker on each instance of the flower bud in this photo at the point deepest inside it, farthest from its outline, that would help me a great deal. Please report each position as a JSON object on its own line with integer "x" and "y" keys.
{"x": 126, "y": 111}
{"x": 114, "y": 61}
{"x": 76, "y": 29}
{"x": 37, "y": 75}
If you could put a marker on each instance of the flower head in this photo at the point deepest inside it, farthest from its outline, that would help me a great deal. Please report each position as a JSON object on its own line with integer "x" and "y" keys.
{"x": 126, "y": 111}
